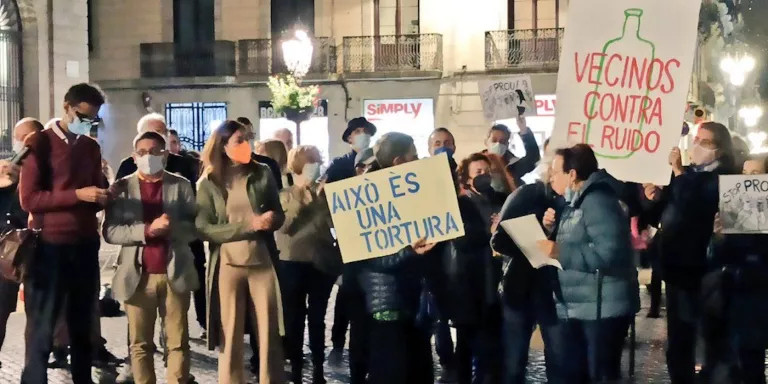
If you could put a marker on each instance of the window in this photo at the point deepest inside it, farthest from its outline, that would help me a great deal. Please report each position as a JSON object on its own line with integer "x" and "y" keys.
{"x": 10, "y": 73}
{"x": 194, "y": 121}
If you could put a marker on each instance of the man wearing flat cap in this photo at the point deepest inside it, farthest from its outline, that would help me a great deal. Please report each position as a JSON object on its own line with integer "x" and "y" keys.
{"x": 358, "y": 134}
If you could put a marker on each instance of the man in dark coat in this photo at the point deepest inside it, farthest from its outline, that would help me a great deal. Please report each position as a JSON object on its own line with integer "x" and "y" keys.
{"x": 497, "y": 143}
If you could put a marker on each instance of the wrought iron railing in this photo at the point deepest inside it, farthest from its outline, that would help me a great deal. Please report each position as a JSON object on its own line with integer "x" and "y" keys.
{"x": 393, "y": 53}
{"x": 171, "y": 60}
{"x": 255, "y": 56}
{"x": 523, "y": 48}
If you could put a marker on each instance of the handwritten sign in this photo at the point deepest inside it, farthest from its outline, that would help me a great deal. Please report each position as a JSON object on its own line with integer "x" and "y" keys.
{"x": 507, "y": 98}
{"x": 744, "y": 203}
{"x": 623, "y": 82}
{"x": 380, "y": 213}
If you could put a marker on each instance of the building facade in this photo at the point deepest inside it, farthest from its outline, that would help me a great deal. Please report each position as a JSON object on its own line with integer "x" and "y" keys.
{"x": 409, "y": 65}
{"x": 43, "y": 50}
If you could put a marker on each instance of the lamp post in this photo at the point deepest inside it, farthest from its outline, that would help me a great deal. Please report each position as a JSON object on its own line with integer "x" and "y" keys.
{"x": 297, "y": 55}
{"x": 737, "y": 68}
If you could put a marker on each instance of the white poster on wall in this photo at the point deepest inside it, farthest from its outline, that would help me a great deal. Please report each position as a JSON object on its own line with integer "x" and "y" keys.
{"x": 313, "y": 131}
{"x": 415, "y": 117}
{"x": 507, "y": 98}
{"x": 623, "y": 82}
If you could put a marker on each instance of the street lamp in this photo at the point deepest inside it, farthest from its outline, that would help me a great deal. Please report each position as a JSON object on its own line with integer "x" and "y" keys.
{"x": 757, "y": 142}
{"x": 737, "y": 68}
{"x": 297, "y": 53}
{"x": 751, "y": 115}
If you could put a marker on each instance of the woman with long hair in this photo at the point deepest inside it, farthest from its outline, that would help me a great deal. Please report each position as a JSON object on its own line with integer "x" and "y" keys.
{"x": 238, "y": 210}
{"x": 275, "y": 150}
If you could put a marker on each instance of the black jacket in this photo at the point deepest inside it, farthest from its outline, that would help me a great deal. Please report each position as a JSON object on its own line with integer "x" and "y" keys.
{"x": 519, "y": 278}
{"x": 13, "y": 217}
{"x": 689, "y": 205}
{"x": 518, "y": 168}
{"x": 472, "y": 272}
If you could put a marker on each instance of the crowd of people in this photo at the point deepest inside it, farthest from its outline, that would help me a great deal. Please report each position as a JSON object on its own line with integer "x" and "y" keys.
{"x": 271, "y": 260}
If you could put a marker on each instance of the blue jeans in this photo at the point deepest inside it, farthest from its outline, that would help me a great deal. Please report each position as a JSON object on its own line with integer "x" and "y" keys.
{"x": 518, "y": 326}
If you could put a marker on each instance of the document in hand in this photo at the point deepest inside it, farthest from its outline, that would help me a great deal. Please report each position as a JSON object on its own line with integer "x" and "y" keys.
{"x": 526, "y": 232}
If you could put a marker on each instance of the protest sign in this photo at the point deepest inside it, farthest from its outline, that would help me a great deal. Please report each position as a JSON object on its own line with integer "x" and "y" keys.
{"x": 624, "y": 75}
{"x": 744, "y": 203}
{"x": 507, "y": 98}
{"x": 382, "y": 212}
{"x": 526, "y": 233}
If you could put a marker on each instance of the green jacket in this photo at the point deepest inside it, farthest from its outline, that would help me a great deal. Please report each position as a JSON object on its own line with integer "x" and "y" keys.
{"x": 213, "y": 226}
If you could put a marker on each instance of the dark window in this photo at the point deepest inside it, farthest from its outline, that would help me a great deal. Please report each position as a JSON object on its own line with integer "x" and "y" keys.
{"x": 194, "y": 121}
{"x": 10, "y": 73}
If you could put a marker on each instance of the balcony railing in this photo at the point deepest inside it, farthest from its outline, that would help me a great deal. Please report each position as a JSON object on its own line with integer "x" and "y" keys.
{"x": 170, "y": 60}
{"x": 255, "y": 56}
{"x": 393, "y": 53}
{"x": 523, "y": 48}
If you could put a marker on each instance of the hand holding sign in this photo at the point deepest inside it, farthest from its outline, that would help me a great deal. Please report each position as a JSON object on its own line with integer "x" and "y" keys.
{"x": 421, "y": 247}
{"x": 676, "y": 161}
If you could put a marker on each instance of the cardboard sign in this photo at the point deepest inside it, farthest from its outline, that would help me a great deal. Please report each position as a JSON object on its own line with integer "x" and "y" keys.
{"x": 623, "y": 82}
{"x": 744, "y": 203}
{"x": 507, "y": 98}
{"x": 380, "y": 213}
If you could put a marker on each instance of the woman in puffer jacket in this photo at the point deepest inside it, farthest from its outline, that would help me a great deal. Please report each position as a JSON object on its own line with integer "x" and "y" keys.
{"x": 593, "y": 237}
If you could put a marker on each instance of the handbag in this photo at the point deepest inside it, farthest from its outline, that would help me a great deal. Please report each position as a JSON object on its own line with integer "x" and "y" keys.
{"x": 16, "y": 248}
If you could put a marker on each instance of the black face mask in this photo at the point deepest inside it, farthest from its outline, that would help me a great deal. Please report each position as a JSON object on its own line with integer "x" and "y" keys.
{"x": 482, "y": 183}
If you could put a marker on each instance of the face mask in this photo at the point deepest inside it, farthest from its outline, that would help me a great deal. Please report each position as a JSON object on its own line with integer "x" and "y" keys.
{"x": 497, "y": 148}
{"x": 482, "y": 183}
{"x": 361, "y": 142}
{"x": 79, "y": 127}
{"x": 150, "y": 164}
{"x": 701, "y": 155}
{"x": 17, "y": 146}
{"x": 240, "y": 154}
{"x": 497, "y": 183}
{"x": 311, "y": 171}
{"x": 445, "y": 150}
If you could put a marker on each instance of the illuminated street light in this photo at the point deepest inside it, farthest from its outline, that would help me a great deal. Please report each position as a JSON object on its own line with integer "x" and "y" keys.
{"x": 737, "y": 68}
{"x": 757, "y": 141}
{"x": 297, "y": 53}
{"x": 751, "y": 115}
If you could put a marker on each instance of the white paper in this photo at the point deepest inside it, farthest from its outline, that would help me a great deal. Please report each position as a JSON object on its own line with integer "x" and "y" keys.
{"x": 526, "y": 232}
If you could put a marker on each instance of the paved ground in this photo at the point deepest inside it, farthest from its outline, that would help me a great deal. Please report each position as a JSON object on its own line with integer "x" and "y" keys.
{"x": 650, "y": 366}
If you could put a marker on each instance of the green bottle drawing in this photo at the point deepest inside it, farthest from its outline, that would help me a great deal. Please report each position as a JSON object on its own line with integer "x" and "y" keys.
{"x": 630, "y": 43}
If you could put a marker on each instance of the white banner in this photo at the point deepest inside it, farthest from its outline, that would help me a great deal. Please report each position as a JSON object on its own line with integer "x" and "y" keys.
{"x": 625, "y": 71}
{"x": 744, "y": 203}
{"x": 507, "y": 98}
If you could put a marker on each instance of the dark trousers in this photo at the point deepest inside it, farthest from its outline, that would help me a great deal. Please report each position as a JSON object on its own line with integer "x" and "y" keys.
{"x": 305, "y": 292}
{"x": 593, "y": 349}
{"x": 9, "y": 292}
{"x": 198, "y": 251}
{"x": 58, "y": 272}
{"x": 478, "y": 354}
{"x": 341, "y": 315}
{"x": 400, "y": 353}
{"x": 683, "y": 321}
{"x": 444, "y": 344}
{"x": 359, "y": 334}
{"x": 752, "y": 366}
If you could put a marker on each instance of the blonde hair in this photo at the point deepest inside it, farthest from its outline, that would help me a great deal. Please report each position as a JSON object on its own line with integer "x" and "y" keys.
{"x": 302, "y": 155}
{"x": 275, "y": 150}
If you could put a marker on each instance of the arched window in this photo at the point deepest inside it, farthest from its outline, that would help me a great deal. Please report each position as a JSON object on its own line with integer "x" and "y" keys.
{"x": 10, "y": 73}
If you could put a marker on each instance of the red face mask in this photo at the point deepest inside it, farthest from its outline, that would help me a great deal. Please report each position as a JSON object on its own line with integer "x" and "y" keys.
{"x": 240, "y": 153}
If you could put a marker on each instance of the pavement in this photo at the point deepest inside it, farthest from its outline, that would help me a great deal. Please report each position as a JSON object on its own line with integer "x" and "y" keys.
{"x": 650, "y": 360}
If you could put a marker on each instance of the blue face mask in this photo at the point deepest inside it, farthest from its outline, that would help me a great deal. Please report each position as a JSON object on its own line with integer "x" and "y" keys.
{"x": 446, "y": 150}
{"x": 80, "y": 127}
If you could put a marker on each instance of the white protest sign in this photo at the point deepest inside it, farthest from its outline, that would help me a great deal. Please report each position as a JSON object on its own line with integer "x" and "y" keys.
{"x": 744, "y": 203}
{"x": 526, "y": 233}
{"x": 507, "y": 98}
{"x": 380, "y": 213}
{"x": 623, "y": 82}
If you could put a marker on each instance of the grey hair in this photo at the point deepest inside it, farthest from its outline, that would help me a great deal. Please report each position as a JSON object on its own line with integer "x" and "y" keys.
{"x": 391, "y": 146}
{"x": 141, "y": 126}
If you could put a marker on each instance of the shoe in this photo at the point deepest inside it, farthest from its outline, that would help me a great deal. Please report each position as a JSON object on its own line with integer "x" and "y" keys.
{"x": 318, "y": 376}
{"x": 296, "y": 372}
{"x": 336, "y": 357}
{"x": 191, "y": 379}
{"x": 448, "y": 376}
{"x": 60, "y": 358}
{"x": 203, "y": 335}
{"x": 104, "y": 358}
{"x": 125, "y": 375}
{"x": 103, "y": 375}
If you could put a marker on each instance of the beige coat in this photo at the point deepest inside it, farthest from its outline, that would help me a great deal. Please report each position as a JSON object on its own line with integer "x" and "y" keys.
{"x": 124, "y": 226}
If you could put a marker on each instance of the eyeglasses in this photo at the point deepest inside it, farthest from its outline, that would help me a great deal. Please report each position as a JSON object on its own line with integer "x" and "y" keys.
{"x": 85, "y": 118}
{"x": 153, "y": 152}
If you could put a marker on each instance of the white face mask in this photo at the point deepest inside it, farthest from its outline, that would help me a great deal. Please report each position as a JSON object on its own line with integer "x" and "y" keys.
{"x": 311, "y": 171}
{"x": 150, "y": 164}
{"x": 361, "y": 142}
{"x": 497, "y": 148}
{"x": 17, "y": 146}
{"x": 701, "y": 155}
